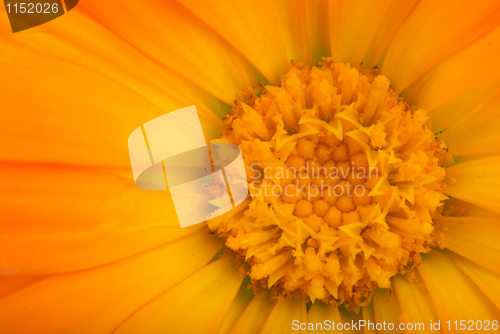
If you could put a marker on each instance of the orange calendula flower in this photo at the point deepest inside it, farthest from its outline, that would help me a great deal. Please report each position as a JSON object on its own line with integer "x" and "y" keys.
{"x": 370, "y": 133}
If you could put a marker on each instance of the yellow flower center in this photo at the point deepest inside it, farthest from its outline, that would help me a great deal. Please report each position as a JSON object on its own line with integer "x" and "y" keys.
{"x": 344, "y": 179}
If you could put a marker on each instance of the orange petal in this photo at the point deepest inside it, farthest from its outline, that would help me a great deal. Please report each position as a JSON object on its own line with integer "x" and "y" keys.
{"x": 100, "y": 299}
{"x": 327, "y": 315}
{"x": 292, "y": 22}
{"x": 353, "y": 25}
{"x": 4, "y": 21}
{"x": 475, "y": 238}
{"x": 76, "y": 117}
{"x": 348, "y": 319}
{"x": 466, "y": 158}
{"x": 197, "y": 305}
{"x": 386, "y": 308}
{"x": 11, "y": 284}
{"x": 318, "y": 31}
{"x": 472, "y": 210}
{"x": 454, "y": 295}
{"x": 240, "y": 303}
{"x": 283, "y": 313}
{"x": 394, "y": 17}
{"x": 487, "y": 281}
{"x": 254, "y": 316}
{"x": 456, "y": 207}
{"x": 465, "y": 70}
{"x": 433, "y": 32}
{"x": 476, "y": 181}
{"x": 114, "y": 58}
{"x": 459, "y": 107}
{"x": 415, "y": 303}
{"x": 182, "y": 43}
{"x": 369, "y": 317}
{"x": 251, "y": 27}
{"x": 58, "y": 219}
{"x": 477, "y": 133}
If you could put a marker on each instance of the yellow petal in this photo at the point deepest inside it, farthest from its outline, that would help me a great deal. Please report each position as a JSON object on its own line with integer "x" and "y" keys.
{"x": 487, "y": 281}
{"x": 460, "y": 208}
{"x": 476, "y": 181}
{"x": 254, "y": 316}
{"x": 291, "y": 16}
{"x": 386, "y": 308}
{"x": 283, "y": 313}
{"x": 415, "y": 304}
{"x": 394, "y": 17}
{"x": 477, "y": 133}
{"x": 57, "y": 218}
{"x": 327, "y": 315}
{"x": 197, "y": 305}
{"x": 461, "y": 159}
{"x": 454, "y": 295}
{"x": 240, "y": 303}
{"x": 182, "y": 43}
{"x": 318, "y": 31}
{"x": 369, "y": 317}
{"x": 472, "y": 210}
{"x": 465, "y": 70}
{"x": 251, "y": 27}
{"x": 353, "y": 25}
{"x": 349, "y": 319}
{"x": 100, "y": 299}
{"x": 475, "y": 238}
{"x": 433, "y": 32}
{"x": 457, "y": 108}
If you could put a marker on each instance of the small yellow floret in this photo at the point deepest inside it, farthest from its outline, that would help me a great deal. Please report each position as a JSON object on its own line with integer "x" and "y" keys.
{"x": 303, "y": 209}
